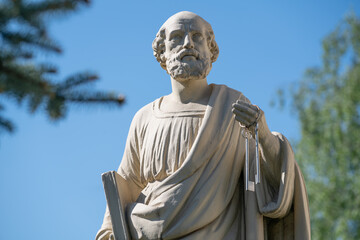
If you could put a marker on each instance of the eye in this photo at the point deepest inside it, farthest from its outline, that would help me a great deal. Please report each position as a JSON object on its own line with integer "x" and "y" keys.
{"x": 175, "y": 37}
{"x": 197, "y": 37}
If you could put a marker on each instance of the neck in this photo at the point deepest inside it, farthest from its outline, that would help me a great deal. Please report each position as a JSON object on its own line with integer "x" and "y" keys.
{"x": 195, "y": 91}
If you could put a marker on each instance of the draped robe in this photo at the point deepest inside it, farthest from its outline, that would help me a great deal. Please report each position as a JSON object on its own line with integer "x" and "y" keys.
{"x": 186, "y": 168}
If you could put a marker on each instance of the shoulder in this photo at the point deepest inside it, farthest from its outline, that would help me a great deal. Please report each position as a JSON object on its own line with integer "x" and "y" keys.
{"x": 143, "y": 116}
{"x": 230, "y": 92}
{"x": 143, "y": 112}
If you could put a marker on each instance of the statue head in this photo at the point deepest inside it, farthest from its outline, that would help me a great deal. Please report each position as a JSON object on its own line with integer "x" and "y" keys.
{"x": 185, "y": 46}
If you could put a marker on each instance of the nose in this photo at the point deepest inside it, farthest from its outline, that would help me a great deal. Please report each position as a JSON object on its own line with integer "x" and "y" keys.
{"x": 188, "y": 43}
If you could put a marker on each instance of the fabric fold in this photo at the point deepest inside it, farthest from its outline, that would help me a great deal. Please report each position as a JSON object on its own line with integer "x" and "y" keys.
{"x": 205, "y": 195}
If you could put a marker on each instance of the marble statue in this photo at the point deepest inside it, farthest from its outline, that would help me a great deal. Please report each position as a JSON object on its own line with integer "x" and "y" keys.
{"x": 185, "y": 154}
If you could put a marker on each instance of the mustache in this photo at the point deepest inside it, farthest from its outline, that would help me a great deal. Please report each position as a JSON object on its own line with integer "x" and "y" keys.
{"x": 187, "y": 52}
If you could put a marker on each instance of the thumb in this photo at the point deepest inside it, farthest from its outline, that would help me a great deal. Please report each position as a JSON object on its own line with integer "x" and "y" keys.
{"x": 111, "y": 237}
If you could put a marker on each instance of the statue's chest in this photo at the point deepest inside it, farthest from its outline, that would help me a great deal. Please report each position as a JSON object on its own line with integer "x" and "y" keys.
{"x": 166, "y": 144}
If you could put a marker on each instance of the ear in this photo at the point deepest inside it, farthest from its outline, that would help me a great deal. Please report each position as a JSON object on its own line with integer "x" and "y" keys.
{"x": 162, "y": 57}
{"x": 163, "y": 61}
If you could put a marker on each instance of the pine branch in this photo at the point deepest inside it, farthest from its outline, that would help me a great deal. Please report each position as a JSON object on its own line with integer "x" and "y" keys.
{"x": 27, "y": 81}
{"x": 6, "y": 13}
{"x": 96, "y": 97}
{"x": 17, "y": 77}
{"x": 23, "y": 31}
{"x": 47, "y": 68}
{"x": 35, "y": 101}
{"x": 55, "y": 107}
{"x": 14, "y": 54}
{"x": 76, "y": 80}
{"x": 51, "y": 7}
{"x": 19, "y": 39}
{"x": 6, "y": 125}
{"x": 32, "y": 12}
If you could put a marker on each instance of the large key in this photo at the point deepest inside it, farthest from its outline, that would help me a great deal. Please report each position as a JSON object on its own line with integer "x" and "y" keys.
{"x": 257, "y": 175}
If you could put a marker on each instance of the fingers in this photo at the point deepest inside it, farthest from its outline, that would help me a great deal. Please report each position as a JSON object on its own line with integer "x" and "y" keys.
{"x": 245, "y": 107}
{"x": 244, "y": 118}
{"x": 111, "y": 237}
{"x": 104, "y": 234}
{"x": 245, "y": 113}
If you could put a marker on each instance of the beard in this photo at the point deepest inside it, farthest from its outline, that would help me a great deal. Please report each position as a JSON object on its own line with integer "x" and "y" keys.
{"x": 182, "y": 70}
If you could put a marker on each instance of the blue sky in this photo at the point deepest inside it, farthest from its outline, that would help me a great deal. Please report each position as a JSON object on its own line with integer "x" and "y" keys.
{"x": 50, "y": 184}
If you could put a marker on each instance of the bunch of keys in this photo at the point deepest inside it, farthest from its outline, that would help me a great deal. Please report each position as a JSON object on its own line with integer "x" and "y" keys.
{"x": 257, "y": 175}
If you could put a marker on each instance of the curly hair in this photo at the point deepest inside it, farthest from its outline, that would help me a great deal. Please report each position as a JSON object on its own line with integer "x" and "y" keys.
{"x": 158, "y": 46}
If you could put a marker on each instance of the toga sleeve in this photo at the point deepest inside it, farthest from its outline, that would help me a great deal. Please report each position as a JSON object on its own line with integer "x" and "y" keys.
{"x": 129, "y": 169}
{"x": 276, "y": 190}
{"x": 281, "y": 195}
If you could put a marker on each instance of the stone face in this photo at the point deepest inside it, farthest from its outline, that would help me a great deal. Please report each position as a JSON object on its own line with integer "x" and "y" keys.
{"x": 186, "y": 50}
{"x": 183, "y": 165}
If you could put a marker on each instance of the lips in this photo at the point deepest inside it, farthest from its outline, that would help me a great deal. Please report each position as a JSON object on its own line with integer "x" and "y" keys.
{"x": 189, "y": 52}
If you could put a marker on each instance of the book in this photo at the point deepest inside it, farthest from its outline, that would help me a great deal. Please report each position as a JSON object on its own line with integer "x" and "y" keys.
{"x": 117, "y": 196}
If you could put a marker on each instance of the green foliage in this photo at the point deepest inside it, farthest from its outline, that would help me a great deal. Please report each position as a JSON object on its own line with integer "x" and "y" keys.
{"x": 327, "y": 102}
{"x": 23, "y": 33}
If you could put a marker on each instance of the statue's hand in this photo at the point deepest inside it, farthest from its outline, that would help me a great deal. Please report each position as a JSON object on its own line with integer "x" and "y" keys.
{"x": 248, "y": 114}
{"x": 105, "y": 234}
{"x": 245, "y": 113}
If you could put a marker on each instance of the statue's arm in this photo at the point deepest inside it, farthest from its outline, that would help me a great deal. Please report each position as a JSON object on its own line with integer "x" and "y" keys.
{"x": 129, "y": 170}
{"x": 271, "y": 152}
{"x": 276, "y": 159}
{"x": 281, "y": 194}
{"x": 104, "y": 234}
{"x": 247, "y": 115}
